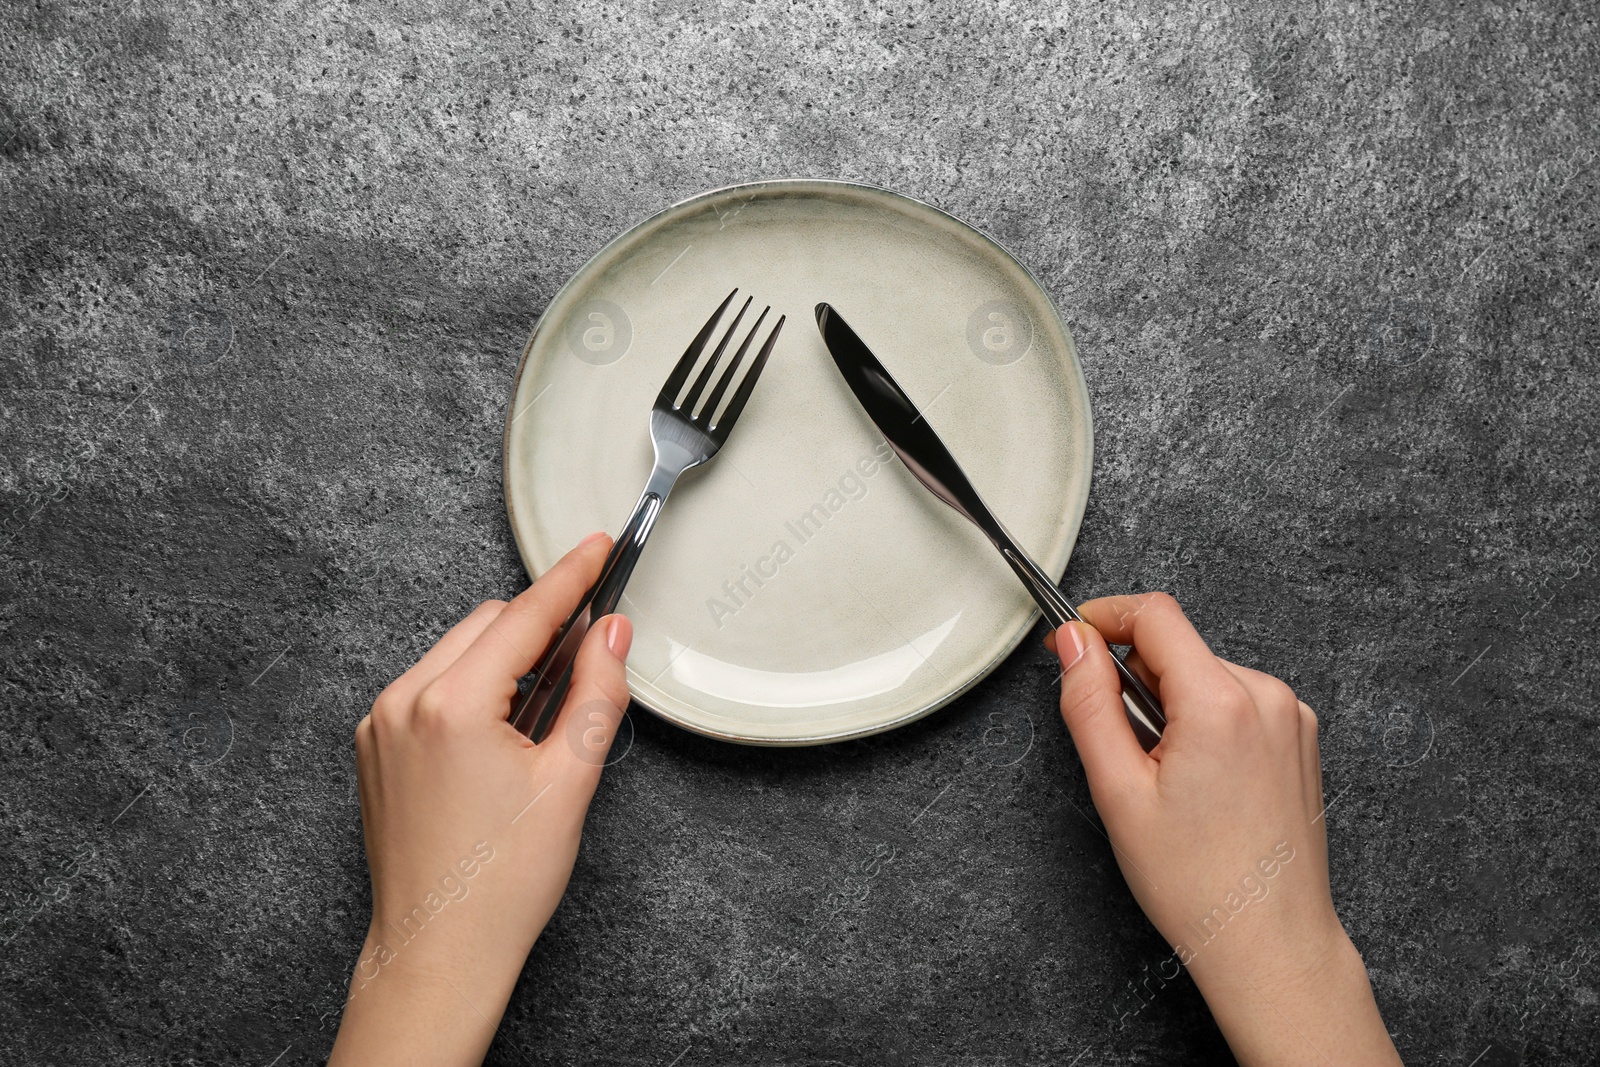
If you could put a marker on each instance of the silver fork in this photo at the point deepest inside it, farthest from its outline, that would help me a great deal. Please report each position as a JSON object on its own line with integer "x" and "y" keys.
{"x": 685, "y": 433}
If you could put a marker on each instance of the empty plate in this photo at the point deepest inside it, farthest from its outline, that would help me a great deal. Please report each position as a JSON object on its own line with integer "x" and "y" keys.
{"x": 802, "y": 587}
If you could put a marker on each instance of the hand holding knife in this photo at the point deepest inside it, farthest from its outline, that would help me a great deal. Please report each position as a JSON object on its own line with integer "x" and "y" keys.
{"x": 920, "y": 448}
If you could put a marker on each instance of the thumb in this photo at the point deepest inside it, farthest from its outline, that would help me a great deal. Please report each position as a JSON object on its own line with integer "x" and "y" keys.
{"x": 1091, "y": 704}
{"x": 595, "y": 703}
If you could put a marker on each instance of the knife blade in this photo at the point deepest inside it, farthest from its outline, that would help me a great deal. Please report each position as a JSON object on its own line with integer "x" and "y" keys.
{"x": 931, "y": 463}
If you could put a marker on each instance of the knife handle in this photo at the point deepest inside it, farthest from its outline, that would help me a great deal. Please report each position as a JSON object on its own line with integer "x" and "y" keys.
{"x": 1143, "y": 709}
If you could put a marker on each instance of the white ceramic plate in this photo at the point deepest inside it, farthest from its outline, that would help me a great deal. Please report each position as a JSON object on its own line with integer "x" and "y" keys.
{"x": 802, "y": 587}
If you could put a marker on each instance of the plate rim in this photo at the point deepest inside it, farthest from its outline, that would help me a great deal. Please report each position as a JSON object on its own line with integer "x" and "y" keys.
{"x": 1080, "y": 505}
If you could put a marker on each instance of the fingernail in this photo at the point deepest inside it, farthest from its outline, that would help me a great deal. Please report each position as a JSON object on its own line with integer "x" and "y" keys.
{"x": 592, "y": 538}
{"x": 1075, "y": 646}
{"x": 619, "y": 635}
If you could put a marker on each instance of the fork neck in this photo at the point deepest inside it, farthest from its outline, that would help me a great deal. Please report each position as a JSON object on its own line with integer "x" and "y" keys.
{"x": 631, "y": 540}
{"x": 607, "y": 592}
{"x": 662, "y": 479}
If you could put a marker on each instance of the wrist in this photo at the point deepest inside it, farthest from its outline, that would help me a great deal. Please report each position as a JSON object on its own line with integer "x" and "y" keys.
{"x": 397, "y": 955}
{"x": 1299, "y": 1005}
{"x": 1303, "y": 956}
{"x": 414, "y": 1003}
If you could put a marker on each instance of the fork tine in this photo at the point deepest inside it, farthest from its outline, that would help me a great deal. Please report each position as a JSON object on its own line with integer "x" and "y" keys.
{"x": 736, "y": 405}
{"x": 733, "y": 368}
{"x": 685, "y": 364}
{"x": 699, "y": 385}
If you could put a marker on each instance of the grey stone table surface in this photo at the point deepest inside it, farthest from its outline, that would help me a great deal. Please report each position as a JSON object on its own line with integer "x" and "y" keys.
{"x": 267, "y": 272}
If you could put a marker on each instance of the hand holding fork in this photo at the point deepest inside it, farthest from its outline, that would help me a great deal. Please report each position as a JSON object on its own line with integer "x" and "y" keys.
{"x": 686, "y": 432}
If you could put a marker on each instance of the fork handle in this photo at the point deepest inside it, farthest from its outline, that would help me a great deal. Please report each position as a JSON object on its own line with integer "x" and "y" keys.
{"x": 1144, "y": 711}
{"x": 535, "y": 712}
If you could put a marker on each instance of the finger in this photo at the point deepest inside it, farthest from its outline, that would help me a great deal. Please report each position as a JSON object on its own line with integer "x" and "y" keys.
{"x": 1277, "y": 709}
{"x": 1279, "y": 706}
{"x": 366, "y": 769}
{"x": 1132, "y": 660}
{"x": 510, "y": 646}
{"x": 1091, "y": 705}
{"x": 1270, "y": 695}
{"x": 1166, "y": 641}
{"x": 587, "y": 723}
{"x": 446, "y": 650}
{"x": 1311, "y": 758}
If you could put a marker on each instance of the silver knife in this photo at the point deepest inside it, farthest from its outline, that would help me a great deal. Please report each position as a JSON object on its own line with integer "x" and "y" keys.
{"x": 915, "y": 442}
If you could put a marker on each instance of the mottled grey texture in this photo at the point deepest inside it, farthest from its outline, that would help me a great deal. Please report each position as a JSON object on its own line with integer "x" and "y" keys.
{"x": 267, "y": 271}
